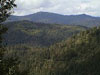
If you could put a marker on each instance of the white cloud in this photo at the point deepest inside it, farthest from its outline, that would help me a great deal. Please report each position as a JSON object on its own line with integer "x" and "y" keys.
{"x": 66, "y": 7}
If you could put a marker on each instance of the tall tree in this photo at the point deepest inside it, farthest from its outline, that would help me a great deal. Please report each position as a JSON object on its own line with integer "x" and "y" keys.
{"x": 6, "y": 7}
{"x": 6, "y": 66}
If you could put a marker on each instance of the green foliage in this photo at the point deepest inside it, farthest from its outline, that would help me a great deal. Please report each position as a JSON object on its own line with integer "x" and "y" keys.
{"x": 38, "y": 34}
{"x": 7, "y": 66}
{"x": 78, "y": 55}
{"x": 5, "y": 9}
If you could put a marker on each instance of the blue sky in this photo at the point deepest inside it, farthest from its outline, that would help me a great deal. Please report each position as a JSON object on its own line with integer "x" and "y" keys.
{"x": 66, "y": 7}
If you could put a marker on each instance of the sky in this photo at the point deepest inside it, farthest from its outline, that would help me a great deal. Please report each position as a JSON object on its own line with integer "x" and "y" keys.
{"x": 65, "y": 7}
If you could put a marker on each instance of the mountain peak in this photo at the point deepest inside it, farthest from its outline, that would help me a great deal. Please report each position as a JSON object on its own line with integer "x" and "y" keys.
{"x": 41, "y": 12}
{"x": 84, "y": 15}
{"x": 48, "y": 13}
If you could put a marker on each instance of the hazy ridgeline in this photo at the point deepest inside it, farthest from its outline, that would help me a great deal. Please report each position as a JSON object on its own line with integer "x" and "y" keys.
{"x": 53, "y": 18}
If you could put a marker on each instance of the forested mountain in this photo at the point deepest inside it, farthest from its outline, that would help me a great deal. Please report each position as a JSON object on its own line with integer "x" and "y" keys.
{"x": 46, "y": 17}
{"x": 78, "y": 55}
{"x": 48, "y": 43}
{"x": 53, "y": 49}
{"x": 38, "y": 34}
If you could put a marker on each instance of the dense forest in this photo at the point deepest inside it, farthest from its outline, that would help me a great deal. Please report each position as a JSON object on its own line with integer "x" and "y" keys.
{"x": 51, "y": 49}
{"x": 78, "y": 55}
{"x": 38, "y": 34}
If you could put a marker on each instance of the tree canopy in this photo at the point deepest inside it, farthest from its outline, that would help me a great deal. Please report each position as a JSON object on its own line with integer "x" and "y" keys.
{"x": 6, "y": 7}
{"x": 6, "y": 65}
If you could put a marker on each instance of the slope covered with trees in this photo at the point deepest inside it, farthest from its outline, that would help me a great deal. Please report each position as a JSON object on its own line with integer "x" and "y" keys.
{"x": 38, "y": 34}
{"x": 78, "y": 55}
{"x": 8, "y": 66}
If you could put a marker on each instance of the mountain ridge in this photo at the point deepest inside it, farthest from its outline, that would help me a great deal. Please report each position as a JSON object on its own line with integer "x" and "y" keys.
{"x": 53, "y": 18}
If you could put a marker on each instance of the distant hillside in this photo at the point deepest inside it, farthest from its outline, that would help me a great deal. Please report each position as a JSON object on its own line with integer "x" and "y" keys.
{"x": 53, "y": 18}
{"x": 40, "y": 34}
